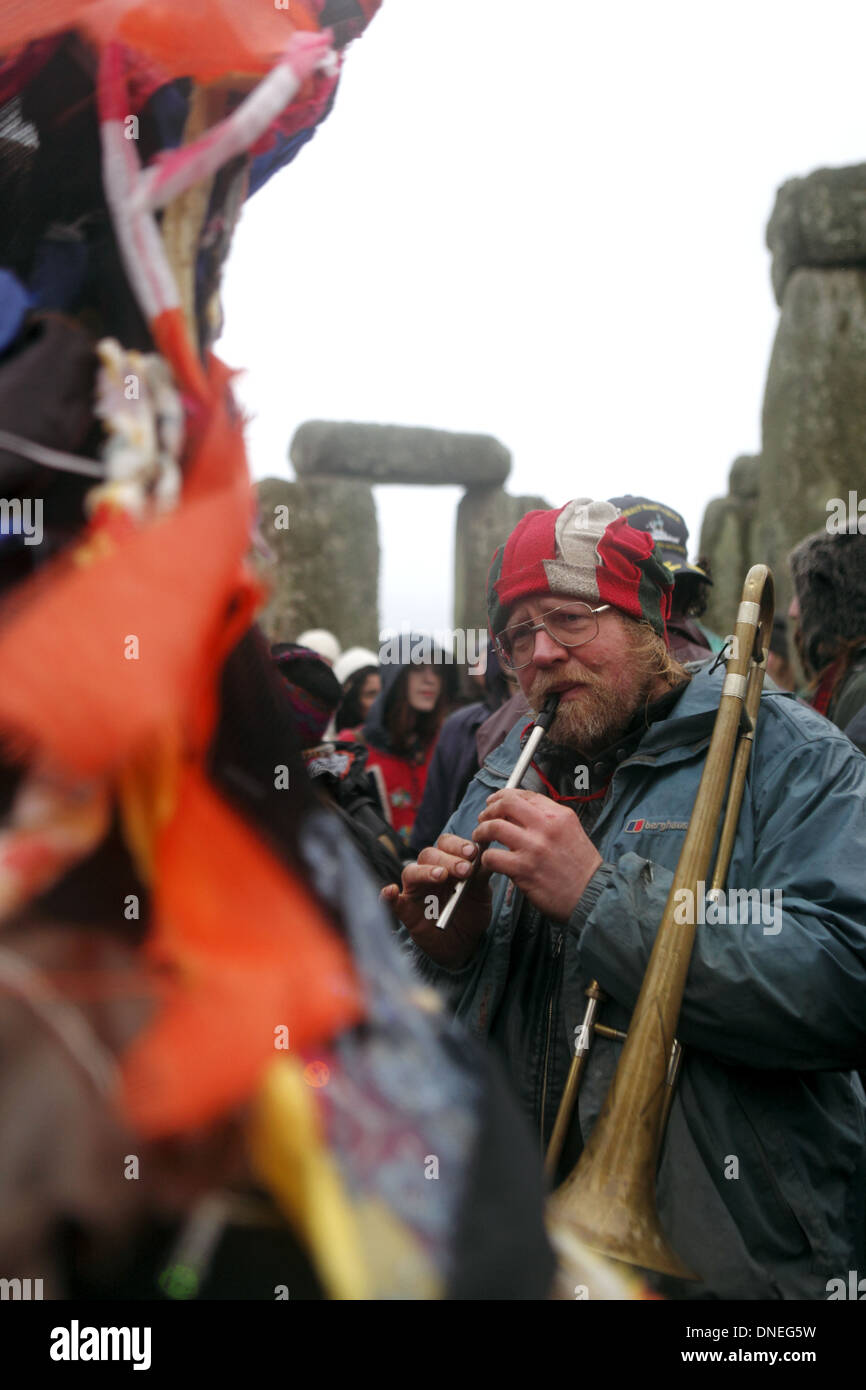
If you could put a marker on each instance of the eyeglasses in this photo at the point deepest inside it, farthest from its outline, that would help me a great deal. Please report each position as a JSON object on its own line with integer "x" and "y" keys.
{"x": 571, "y": 625}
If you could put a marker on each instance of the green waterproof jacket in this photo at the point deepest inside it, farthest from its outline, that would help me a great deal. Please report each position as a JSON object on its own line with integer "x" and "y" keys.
{"x": 762, "y": 1183}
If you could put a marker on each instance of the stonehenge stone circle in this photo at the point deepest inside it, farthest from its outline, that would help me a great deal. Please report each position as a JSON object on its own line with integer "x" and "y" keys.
{"x": 324, "y": 570}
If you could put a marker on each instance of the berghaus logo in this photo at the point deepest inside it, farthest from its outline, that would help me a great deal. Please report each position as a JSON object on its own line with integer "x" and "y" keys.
{"x": 634, "y": 827}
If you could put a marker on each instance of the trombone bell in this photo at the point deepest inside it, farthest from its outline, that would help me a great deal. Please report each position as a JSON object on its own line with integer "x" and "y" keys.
{"x": 623, "y": 1222}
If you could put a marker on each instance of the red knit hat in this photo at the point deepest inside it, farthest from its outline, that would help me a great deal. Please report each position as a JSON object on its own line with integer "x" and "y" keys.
{"x": 584, "y": 550}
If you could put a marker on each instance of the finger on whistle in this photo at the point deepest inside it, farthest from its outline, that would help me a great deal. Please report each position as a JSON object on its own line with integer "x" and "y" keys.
{"x": 502, "y": 832}
{"x": 482, "y": 834}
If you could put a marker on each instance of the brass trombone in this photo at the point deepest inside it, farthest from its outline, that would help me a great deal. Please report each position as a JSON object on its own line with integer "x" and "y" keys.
{"x": 608, "y": 1201}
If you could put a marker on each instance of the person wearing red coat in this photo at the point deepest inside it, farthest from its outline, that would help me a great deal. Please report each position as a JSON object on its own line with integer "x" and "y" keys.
{"x": 401, "y": 734}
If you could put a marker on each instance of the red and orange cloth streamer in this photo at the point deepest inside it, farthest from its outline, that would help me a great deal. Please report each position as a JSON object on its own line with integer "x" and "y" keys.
{"x": 238, "y": 944}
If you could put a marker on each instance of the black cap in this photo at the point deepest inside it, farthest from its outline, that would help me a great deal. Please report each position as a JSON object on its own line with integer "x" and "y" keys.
{"x": 667, "y": 529}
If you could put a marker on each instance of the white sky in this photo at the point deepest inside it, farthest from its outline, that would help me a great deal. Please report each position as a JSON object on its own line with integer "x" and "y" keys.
{"x": 544, "y": 221}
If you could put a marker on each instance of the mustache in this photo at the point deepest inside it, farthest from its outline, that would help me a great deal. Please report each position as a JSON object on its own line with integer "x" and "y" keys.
{"x": 545, "y": 681}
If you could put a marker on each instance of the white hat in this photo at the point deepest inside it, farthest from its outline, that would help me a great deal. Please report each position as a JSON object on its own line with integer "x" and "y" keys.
{"x": 352, "y": 660}
{"x": 318, "y": 639}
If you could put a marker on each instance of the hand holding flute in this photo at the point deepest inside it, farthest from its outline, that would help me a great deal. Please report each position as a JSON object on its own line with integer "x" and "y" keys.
{"x": 426, "y": 888}
{"x": 546, "y": 853}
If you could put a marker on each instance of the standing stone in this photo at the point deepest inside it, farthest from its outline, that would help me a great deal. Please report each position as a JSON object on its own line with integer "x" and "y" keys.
{"x": 398, "y": 454}
{"x": 485, "y": 516}
{"x": 325, "y": 569}
{"x": 814, "y": 416}
{"x": 818, "y": 221}
{"x": 726, "y": 539}
{"x": 814, "y": 421}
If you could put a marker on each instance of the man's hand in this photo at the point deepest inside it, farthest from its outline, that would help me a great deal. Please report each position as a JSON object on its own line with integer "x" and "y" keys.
{"x": 547, "y": 852}
{"x": 427, "y": 887}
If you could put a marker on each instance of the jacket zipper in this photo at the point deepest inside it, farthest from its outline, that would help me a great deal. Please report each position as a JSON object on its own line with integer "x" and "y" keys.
{"x": 553, "y": 975}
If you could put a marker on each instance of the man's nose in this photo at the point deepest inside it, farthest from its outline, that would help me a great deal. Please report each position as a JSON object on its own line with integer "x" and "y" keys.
{"x": 547, "y": 649}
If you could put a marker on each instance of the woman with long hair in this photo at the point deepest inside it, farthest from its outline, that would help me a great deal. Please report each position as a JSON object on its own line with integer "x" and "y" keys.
{"x": 400, "y": 733}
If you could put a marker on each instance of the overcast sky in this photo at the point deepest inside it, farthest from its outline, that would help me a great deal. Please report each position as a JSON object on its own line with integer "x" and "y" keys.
{"x": 545, "y": 222}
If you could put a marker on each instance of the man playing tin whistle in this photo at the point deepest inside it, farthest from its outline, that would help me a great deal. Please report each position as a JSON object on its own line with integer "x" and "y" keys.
{"x": 762, "y": 1173}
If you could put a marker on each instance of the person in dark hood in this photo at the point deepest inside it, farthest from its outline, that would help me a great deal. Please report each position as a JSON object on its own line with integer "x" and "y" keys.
{"x": 455, "y": 761}
{"x": 338, "y": 773}
{"x": 402, "y": 728}
{"x": 829, "y": 613}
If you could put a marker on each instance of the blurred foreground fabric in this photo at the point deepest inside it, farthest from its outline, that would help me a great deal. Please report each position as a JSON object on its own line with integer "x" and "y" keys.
{"x": 219, "y": 1079}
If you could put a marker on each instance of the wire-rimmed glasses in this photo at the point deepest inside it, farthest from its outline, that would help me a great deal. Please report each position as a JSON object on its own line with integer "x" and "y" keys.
{"x": 571, "y": 625}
